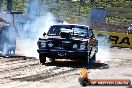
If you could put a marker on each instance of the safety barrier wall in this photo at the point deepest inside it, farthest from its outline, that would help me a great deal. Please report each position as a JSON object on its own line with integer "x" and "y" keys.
{"x": 118, "y": 39}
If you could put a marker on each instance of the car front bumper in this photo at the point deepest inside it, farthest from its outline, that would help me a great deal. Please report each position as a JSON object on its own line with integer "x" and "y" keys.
{"x": 66, "y": 54}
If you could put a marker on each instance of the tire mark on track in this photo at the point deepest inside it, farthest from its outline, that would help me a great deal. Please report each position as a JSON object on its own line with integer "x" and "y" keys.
{"x": 27, "y": 70}
{"x": 18, "y": 65}
{"x": 44, "y": 75}
{"x": 30, "y": 70}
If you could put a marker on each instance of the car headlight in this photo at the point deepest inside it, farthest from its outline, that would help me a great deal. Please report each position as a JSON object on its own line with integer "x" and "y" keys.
{"x": 82, "y": 46}
{"x": 50, "y": 44}
{"x": 43, "y": 44}
{"x": 75, "y": 46}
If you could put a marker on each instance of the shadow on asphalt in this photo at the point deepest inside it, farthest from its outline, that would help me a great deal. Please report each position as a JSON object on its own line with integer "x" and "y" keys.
{"x": 60, "y": 63}
{"x": 74, "y": 64}
{"x": 16, "y": 57}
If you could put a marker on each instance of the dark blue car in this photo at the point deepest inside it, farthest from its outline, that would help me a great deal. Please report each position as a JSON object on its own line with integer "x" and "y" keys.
{"x": 68, "y": 42}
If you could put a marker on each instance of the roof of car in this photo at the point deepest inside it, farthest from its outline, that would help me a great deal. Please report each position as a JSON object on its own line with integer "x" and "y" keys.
{"x": 69, "y": 25}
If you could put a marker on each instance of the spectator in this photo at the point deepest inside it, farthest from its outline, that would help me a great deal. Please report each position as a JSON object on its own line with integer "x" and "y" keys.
{"x": 3, "y": 23}
{"x": 129, "y": 30}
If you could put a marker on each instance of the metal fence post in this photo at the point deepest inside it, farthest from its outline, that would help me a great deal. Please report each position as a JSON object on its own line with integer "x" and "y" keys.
{"x": 9, "y": 5}
{"x": 1, "y": 2}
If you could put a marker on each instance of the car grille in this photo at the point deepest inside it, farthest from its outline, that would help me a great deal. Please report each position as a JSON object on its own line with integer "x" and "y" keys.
{"x": 62, "y": 45}
{"x": 67, "y": 46}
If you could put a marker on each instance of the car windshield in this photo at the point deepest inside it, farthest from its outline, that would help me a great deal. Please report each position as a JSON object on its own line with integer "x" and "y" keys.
{"x": 80, "y": 31}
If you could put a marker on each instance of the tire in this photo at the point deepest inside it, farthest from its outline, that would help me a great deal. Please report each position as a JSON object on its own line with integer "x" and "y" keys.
{"x": 42, "y": 58}
{"x": 86, "y": 60}
{"x": 92, "y": 55}
{"x": 92, "y": 59}
{"x": 87, "y": 57}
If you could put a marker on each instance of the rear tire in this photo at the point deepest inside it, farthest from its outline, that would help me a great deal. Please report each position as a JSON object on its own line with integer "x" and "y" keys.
{"x": 42, "y": 58}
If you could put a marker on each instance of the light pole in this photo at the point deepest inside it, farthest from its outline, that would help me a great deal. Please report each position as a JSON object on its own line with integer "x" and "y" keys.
{"x": 1, "y": 2}
{"x": 79, "y": 12}
{"x": 9, "y": 5}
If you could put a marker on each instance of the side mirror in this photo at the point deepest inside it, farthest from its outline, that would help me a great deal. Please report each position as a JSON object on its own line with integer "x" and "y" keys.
{"x": 44, "y": 34}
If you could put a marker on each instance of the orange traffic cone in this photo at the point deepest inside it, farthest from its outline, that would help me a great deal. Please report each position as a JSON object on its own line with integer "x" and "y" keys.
{"x": 84, "y": 73}
{"x": 84, "y": 80}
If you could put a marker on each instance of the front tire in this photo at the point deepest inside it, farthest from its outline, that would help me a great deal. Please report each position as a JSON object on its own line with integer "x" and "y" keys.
{"x": 92, "y": 55}
{"x": 42, "y": 58}
{"x": 93, "y": 59}
{"x": 86, "y": 60}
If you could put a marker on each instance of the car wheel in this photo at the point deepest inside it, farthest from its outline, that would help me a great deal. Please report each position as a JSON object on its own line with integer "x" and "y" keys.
{"x": 92, "y": 55}
{"x": 86, "y": 60}
{"x": 92, "y": 59}
{"x": 42, "y": 58}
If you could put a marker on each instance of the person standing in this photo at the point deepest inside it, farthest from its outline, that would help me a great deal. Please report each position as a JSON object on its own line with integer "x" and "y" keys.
{"x": 129, "y": 30}
{"x": 3, "y": 23}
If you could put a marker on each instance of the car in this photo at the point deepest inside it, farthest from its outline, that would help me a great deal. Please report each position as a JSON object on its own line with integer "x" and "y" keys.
{"x": 68, "y": 41}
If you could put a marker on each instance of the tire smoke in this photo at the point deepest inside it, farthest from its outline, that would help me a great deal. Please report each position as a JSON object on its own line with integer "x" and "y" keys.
{"x": 103, "y": 54}
{"x": 27, "y": 43}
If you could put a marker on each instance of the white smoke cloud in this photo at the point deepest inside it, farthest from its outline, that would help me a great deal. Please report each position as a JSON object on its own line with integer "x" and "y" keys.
{"x": 7, "y": 35}
{"x": 28, "y": 28}
{"x": 31, "y": 27}
{"x": 28, "y": 40}
{"x": 103, "y": 53}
